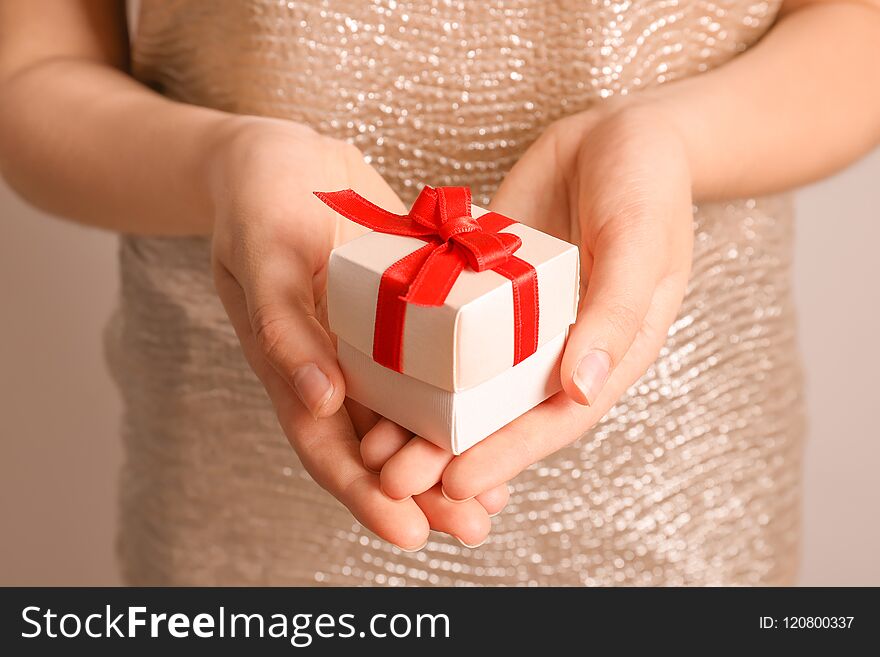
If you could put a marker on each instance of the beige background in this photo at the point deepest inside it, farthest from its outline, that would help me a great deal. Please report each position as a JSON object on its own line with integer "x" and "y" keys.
{"x": 59, "y": 412}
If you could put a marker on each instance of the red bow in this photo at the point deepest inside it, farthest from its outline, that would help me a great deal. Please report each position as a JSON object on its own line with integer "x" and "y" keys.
{"x": 441, "y": 217}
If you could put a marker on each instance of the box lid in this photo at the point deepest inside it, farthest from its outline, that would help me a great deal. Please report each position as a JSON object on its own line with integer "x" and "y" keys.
{"x": 470, "y": 338}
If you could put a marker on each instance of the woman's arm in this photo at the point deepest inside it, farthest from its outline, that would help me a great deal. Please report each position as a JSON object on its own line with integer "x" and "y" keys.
{"x": 802, "y": 103}
{"x": 81, "y": 139}
{"x": 620, "y": 179}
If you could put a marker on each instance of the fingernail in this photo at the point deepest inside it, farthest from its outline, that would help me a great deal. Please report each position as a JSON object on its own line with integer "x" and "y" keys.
{"x": 472, "y": 547}
{"x": 418, "y": 549}
{"x": 591, "y": 373}
{"x": 313, "y": 388}
{"x": 454, "y": 501}
{"x": 497, "y": 513}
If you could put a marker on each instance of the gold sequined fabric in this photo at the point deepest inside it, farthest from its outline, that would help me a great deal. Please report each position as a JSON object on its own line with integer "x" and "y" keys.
{"x": 692, "y": 478}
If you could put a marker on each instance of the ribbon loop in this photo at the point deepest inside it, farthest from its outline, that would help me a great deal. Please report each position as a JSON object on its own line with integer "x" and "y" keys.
{"x": 456, "y": 226}
{"x": 424, "y": 210}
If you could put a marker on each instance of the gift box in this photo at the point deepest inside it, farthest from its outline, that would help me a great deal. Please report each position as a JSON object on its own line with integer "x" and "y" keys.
{"x": 450, "y": 320}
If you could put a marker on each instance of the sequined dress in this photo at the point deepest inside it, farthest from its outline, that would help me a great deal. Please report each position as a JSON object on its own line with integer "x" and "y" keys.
{"x": 692, "y": 478}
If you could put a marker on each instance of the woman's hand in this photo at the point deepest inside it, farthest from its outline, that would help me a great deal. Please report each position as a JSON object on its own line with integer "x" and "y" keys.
{"x": 271, "y": 242}
{"x": 618, "y": 184}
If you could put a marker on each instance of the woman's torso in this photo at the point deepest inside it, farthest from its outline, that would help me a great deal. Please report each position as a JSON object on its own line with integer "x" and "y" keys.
{"x": 693, "y": 477}
{"x": 442, "y": 91}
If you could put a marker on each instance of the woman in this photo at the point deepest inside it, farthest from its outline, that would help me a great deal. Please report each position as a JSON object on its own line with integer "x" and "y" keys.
{"x": 601, "y": 122}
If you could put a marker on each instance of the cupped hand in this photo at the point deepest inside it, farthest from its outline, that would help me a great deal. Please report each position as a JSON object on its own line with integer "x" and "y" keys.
{"x": 270, "y": 247}
{"x": 617, "y": 183}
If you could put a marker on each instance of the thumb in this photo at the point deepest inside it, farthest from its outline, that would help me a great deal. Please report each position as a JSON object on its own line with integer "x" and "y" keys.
{"x": 286, "y": 327}
{"x": 621, "y": 284}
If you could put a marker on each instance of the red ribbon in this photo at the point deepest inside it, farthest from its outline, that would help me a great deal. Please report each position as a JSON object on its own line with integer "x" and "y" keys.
{"x": 442, "y": 218}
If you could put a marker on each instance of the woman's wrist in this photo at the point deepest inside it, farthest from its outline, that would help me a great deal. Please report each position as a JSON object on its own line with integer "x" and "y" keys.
{"x": 245, "y": 153}
{"x": 645, "y": 119}
{"x": 222, "y": 146}
{"x": 662, "y": 111}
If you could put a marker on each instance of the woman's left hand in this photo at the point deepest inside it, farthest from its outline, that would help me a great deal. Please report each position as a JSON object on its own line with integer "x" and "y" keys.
{"x": 617, "y": 183}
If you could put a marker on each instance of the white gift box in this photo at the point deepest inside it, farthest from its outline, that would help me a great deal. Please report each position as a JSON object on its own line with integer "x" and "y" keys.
{"x": 458, "y": 382}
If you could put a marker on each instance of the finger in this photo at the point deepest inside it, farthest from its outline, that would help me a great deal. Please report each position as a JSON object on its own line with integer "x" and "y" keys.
{"x": 384, "y": 440}
{"x": 284, "y": 323}
{"x": 328, "y": 447}
{"x": 362, "y": 418}
{"x": 626, "y": 267}
{"x": 495, "y": 499}
{"x": 510, "y": 450}
{"x": 502, "y": 456}
{"x": 516, "y": 196}
{"x": 468, "y": 522}
{"x": 415, "y": 468}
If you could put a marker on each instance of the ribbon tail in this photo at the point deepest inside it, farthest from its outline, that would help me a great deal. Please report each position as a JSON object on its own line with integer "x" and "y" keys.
{"x": 352, "y": 205}
{"x": 524, "y": 278}
{"x": 391, "y": 307}
{"x": 436, "y": 277}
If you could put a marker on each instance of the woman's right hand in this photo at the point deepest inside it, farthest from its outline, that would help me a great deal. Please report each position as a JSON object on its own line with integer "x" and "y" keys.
{"x": 271, "y": 242}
